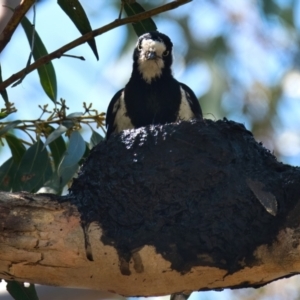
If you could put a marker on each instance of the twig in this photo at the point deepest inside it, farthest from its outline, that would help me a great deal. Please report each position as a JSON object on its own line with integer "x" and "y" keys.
{"x": 119, "y": 22}
{"x": 31, "y": 46}
{"x": 74, "y": 56}
{"x": 19, "y": 13}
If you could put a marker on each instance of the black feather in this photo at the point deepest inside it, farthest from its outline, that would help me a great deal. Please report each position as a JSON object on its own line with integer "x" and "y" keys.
{"x": 151, "y": 101}
{"x": 111, "y": 114}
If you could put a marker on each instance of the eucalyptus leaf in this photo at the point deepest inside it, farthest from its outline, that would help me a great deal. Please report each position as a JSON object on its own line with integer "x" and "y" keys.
{"x": 141, "y": 27}
{"x": 9, "y": 126}
{"x": 68, "y": 123}
{"x": 74, "y": 115}
{"x": 34, "y": 169}
{"x": 76, "y": 13}
{"x": 73, "y": 154}
{"x": 55, "y": 134}
{"x": 52, "y": 186}
{"x": 46, "y": 72}
{"x": 57, "y": 148}
{"x": 85, "y": 154}
{"x": 7, "y": 174}
{"x": 3, "y": 114}
{"x": 3, "y": 92}
{"x": 96, "y": 138}
{"x": 19, "y": 292}
{"x": 16, "y": 147}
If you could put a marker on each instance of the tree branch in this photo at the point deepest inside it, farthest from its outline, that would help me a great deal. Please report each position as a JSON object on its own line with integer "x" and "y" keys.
{"x": 119, "y": 22}
{"x": 194, "y": 206}
{"x": 19, "y": 13}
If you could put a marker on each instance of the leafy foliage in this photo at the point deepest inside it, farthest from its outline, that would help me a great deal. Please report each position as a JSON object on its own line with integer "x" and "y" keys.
{"x": 142, "y": 26}
{"x": 76, "y": 13}
{"x": 3, "y": 92}
{"x": 46, "y": 72}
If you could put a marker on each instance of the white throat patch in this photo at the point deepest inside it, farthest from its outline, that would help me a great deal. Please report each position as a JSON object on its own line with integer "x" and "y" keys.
{"x": 151, "y": 68}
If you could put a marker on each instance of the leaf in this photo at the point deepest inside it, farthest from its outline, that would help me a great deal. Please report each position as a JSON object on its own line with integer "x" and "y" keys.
{"x": 16, "y": 147}
{"x": 46, "y": 71}
{"x": 7, "y": 175}
{"x": 3, "y": 114}
{"x": 76, "y": 13}
{"x": 9, "y": 126}
{"x": 68, "y": 123}
{"x": 142, "y": 26}
{"x": 85, "y": 154}
{"x": 19, "y": 292}
{"x": 57, "y": 147}
{"x": 3, "y": 92}
{"x": 74, "y": 115}
{"x": 55, "y": 134}
{"x": 34, "y": 169}
{"x": 96, "y": 138}
{"x": 74, "y": 153}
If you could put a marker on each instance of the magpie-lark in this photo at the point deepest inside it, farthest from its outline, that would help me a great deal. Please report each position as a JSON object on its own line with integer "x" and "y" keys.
{"x": 152, "y": 95}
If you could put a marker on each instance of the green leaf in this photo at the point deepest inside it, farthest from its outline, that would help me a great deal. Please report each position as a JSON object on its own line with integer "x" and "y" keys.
{"x": 3, "y": 92}
{"x": 16, "y": 147}
{"x": 46, "y": 71}
{"x": 142, "y": 26}
{"x": 53, "y": 185}
{"x": 74, "y": 115}
{"x": 57, "y": 147}
{"x": 9, "y": 126}
{"x": 3, "y": 114}
{"x": 85, "y": 154}
{"x": 7, "y": 174}
{"x": 55, "y": 134}
{"x": 34, "y": 169}
{"x": 19, "y": 292}
{"x": 76, "y": 13}
{"x": 74, "y": 153}
{"x": 96, "y": 138}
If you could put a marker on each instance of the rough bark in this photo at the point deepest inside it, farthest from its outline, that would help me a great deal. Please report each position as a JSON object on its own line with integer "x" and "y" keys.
{"x": 18, "y": 13}
{"x": 165, "y": 209}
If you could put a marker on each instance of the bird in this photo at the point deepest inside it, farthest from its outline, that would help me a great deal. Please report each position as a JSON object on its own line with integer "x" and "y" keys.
{"x": 152, "y": 95}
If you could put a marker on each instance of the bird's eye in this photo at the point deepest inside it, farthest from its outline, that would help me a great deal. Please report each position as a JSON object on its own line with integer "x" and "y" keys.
{"x": 166, "y": 53}
{"x": 139, "y": 47}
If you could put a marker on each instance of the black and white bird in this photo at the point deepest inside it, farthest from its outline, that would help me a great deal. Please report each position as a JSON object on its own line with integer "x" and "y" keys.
{"x": 152, "y": 95}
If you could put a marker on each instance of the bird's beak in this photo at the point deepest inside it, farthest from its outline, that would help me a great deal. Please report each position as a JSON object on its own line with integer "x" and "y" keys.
{"x": 151, "y": 55}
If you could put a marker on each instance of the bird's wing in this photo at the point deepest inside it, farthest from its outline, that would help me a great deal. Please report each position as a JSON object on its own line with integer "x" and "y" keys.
{"x": 192, "y": 100}
{"x": 111, "y": 113}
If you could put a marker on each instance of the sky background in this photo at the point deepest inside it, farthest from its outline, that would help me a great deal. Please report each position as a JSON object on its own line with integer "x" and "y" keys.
{"x": 261, "y": 55}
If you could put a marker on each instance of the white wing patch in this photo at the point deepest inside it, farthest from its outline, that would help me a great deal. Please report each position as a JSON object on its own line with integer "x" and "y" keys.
{"x": 185, "y": 113}
{"x": 122, "y": 121}
{"x": 151, "y": 68}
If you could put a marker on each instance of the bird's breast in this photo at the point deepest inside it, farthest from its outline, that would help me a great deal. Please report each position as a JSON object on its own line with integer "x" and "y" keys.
{"x": 155, "y": 103}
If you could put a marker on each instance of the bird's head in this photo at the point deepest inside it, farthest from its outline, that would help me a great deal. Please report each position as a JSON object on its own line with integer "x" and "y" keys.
{"x": 153, "y": 55}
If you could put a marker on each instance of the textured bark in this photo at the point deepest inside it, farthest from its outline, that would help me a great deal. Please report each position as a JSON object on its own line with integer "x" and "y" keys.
{"x": 194, "y": 206}
{"x": 19, "y": 12}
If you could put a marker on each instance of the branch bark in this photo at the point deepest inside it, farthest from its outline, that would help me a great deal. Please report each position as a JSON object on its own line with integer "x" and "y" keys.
{"x": 84, "y": 38}
{"x": 19, "y": 12}
{"x": 180, "y": 207}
